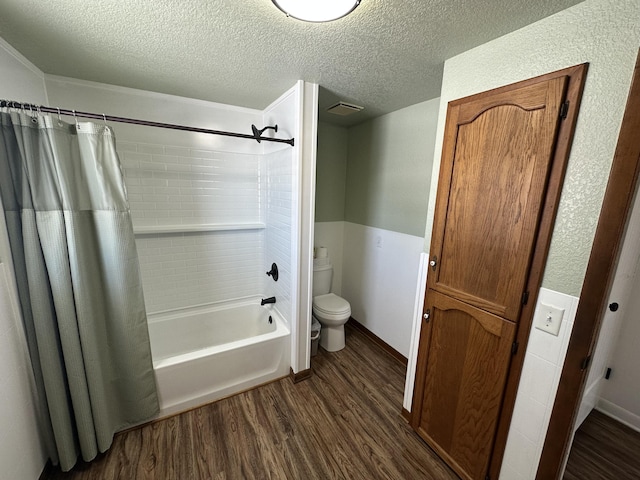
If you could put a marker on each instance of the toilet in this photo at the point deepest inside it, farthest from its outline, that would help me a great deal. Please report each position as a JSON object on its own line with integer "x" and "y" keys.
{"x": 331, "y": 310}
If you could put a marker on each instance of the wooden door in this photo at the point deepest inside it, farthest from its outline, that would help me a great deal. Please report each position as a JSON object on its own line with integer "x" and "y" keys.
{"x": 467, "y": 358}
{"x": 498, "y": 153}
{"x": 495, "y": 165}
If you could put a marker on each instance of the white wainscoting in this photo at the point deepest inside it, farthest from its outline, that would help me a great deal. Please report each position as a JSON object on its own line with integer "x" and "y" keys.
{"x": 539, "y": 381}
{"x": 379, "y": 276}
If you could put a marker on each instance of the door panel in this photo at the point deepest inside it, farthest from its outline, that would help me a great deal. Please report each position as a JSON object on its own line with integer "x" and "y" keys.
{"x": 493, "y": 178}
{"x": 467, "y": 359}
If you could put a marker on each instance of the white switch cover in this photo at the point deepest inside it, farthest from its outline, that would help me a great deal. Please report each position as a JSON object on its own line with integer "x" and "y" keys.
{"x": 549, "y": 319}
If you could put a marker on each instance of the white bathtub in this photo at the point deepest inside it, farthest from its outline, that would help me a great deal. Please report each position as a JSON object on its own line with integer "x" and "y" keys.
{"x": 206, "y": 353}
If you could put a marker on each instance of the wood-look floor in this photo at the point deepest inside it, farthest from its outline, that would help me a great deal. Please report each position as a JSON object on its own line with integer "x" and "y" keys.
{"x": 342, "y": 423}
{"x": 604, "y": 449}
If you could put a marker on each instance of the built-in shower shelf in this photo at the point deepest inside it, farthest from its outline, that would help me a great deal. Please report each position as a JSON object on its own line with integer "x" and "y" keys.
{"x": 212, "y": 227}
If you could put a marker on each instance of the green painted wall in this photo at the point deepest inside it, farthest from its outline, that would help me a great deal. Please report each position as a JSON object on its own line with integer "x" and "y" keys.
{"x": 605, "y": 33}
{"x": 331, "y": 172}
{"x": 390, "y": 159}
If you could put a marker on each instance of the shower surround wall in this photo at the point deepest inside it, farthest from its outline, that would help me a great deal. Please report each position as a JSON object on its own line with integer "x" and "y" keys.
{"x": 281, "y": 207}
{"x": 210, "y": 213}
{"x": 278, "y": 219}
{"x": 212, "y": 202}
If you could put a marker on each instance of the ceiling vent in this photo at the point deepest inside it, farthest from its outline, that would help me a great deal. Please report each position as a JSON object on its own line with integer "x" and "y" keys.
{"x": 342, "y": 108}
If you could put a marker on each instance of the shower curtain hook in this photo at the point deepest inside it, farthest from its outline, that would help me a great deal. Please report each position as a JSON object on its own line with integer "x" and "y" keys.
{"x": 59, "y": 119}
{"x": 104, "y": 118}
{"x": 33, "y": 115}
{"x": 76, "y": 119}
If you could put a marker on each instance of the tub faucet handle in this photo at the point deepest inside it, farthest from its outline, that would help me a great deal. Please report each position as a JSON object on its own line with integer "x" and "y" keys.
{"x": 264, "y": 301}
{"x": 273, "y": 273}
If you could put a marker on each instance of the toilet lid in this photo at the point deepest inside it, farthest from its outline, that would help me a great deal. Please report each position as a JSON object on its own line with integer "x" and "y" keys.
{"x": 331, "y": 304}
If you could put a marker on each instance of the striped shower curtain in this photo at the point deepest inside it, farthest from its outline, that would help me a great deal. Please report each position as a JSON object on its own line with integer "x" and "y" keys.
{"x": 78, "y": 279}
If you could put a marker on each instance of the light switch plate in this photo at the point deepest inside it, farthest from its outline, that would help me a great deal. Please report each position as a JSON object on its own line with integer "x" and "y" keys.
{"x": 549, "y": 318}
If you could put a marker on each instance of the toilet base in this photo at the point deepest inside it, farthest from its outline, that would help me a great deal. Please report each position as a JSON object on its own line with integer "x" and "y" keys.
{"x": 332, "y": 338}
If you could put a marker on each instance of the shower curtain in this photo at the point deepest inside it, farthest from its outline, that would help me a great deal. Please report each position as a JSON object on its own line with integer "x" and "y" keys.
{"x": 78, "y": 280}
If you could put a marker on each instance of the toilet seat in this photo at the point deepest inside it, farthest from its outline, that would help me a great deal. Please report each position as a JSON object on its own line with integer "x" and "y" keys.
{"x": 331, "y": 306}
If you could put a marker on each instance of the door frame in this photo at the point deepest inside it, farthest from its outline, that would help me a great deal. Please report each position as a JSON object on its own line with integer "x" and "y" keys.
{"x": 605, "y": 251}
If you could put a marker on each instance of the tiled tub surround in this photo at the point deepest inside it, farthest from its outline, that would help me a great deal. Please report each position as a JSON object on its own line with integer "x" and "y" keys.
{"x": 181, "y": 186}
{"x": 278, "y": 235}
{"x": 199, "y": 223}
{"x": 180, "y": 270}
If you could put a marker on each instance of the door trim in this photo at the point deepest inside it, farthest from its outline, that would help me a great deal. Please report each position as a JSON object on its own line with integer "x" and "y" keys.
{"x": 599, "y": 276}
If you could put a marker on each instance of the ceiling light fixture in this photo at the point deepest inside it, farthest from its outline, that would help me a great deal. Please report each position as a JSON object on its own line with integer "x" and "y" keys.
{"x": 316, "y": 10}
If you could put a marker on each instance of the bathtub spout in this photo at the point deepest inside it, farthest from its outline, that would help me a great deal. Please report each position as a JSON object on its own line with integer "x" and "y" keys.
{"x": 264, "y": 301}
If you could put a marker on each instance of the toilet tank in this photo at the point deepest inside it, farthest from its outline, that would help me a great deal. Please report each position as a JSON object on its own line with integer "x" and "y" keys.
{"x": 322, "y": 279}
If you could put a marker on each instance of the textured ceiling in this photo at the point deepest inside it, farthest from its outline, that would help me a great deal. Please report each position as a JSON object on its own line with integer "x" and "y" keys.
{"x": 386, "y": 55}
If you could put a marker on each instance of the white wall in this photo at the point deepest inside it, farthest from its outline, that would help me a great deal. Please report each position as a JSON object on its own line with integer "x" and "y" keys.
{"x": 308, "y": 128}
{"x": 605, "y": 33}
{"x": 22, "y": 455}
{"x": 617, "y": 338}
{"x": 128, "y": 102}
{"x": 379, "y": 276}
{"x": 619, "y": 396}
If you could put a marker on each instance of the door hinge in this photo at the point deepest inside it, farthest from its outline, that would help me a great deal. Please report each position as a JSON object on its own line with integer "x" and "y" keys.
{"x": 564, "y": 109}
{"x": 514, "y": 348}
{"x": 525, "y": 298}
{"x": 585, "y": 362}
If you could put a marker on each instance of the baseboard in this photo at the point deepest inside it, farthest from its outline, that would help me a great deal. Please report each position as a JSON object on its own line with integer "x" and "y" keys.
{"x": 618, "y": 413}
{"x": 588, "y": 402}
{"x": 300, "y": 376}
{"x": 378, "y": 341}
{"x": 406, "y": 414}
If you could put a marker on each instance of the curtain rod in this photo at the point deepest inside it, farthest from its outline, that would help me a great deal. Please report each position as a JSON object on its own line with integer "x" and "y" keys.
{"x": 100, "y": 116}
